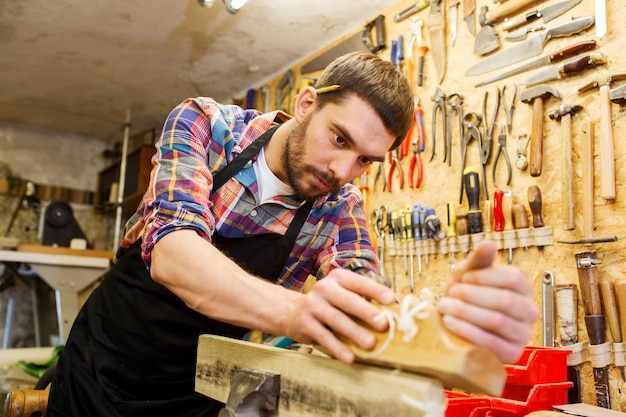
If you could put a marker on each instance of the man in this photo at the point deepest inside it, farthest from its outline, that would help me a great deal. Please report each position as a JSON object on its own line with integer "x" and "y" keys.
{"x": 236, "y": 196}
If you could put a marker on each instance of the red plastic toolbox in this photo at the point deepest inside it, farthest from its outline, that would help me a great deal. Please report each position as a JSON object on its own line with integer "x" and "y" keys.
{"x": 528, "y": 399}
{"x": 465, "y": 405}
{"x": 538, "y": 365}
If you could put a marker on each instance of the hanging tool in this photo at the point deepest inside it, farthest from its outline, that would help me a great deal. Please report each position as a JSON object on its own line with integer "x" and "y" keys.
{"x": 455, "y": 101}
{"x": 415, "y": 165}
{"x": 531, "y": 47}
{"x": 470, "y": 124}
{"x": 394, "y": 167}
{"x": 567, "y": 314}
{"x": 535, "y": 202}
{"x": 564, "y": 114}
{"x": 397, "y": 52}
{"x": 510, "y": 108}
{"x": 570, "y": 67}
{"x": 609, "y": 306}
{"x": 391, "y": 229}
{"x": 408, "y": 224}
{"x": 552, "y": 58}
{"x": 411, "y": 10}
{"x": 433, "y": 225}
{"x": 587, "y": 157}
{"x": 522, "y": 160}
{"x": 469, "y": 8}
{"x": 548, "y": 321}
{"x": 437, "y": 29}
{"x": 509, "y": 229}
{"x": 402, "y": 237}
{"x": 607, "y": 151}
{"x": 451, "y": 233}
{"x": 487, "y": 38}
{"x": 522, "y": 34}
{"x": 498, "y": 215}
{"x": 423, "y": 210}
{"x": 488, "y": 127}
{"x": 453, "y": 13}
{"x": 472, "y": 188}
{"x": 586, "y": 264}
{"x": 501, "y": 150}
{"x": 417, "y": 235}
{"x": 536, "y": 96}
{"x": 520, "y": 222}
{"x": 380, "y": 176}
{"x": 438, "y": 108}
{"x": 378, "y": 219}
{"x": 547, "y": 14}
{"x": 416, "y": 29}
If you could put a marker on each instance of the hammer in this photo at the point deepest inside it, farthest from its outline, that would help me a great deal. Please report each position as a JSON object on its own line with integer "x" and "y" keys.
{"x": 536, "y": 95}
{"x": 607, "y": 153}
{"x": 564, "y": 113}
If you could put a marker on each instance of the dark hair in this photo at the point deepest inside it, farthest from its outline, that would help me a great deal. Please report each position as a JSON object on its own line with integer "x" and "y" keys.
{"x": 376, "y": 81}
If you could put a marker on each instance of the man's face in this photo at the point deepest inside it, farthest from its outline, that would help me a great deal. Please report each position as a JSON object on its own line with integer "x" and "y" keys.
{"x": 332, "y": 146}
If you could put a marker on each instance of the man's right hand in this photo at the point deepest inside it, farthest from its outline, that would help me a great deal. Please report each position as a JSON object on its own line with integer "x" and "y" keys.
{"x": 331, "y": 307}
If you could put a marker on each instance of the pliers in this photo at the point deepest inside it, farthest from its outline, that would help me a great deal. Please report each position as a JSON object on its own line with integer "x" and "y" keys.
{"x": 502, "y": 150}
{"x": 439, "y": 107}
{"x": 488, "y": 128}
{"x": 417, "y": 142}
{"x": 394, "y": 166}
{"x": 455, "y": 101}
{"x": 509, "y": 109}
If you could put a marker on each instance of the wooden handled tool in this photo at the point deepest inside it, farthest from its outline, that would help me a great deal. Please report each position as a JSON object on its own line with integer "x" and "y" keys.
{"x": 586, "y": 263}
{"x": 564, "y": 113}
{"x": 536, "y": 96}
{"x": 567, "y": 318}
{"x": 607, "y": 152}
{"x": 609, "y": 304}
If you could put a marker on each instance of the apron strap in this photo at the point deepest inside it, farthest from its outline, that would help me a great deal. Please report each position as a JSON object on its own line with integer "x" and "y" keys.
{"x": 240, "y": 160}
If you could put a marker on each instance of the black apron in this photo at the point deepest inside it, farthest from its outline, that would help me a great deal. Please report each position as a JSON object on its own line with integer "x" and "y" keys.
{"x": 132, "y": 349}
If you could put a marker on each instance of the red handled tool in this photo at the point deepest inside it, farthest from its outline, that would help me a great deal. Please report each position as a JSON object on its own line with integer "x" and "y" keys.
{"x": 394, "y": 167}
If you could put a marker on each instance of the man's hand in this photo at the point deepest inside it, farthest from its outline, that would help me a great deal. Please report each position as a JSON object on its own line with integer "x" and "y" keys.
{"x": 491, "y": 306}
{"x": 332, "y": 305}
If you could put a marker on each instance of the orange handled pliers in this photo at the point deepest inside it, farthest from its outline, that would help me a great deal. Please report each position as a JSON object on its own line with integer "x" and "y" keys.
{"x": 394, "y": 166}
{"x": 417, "y": 142}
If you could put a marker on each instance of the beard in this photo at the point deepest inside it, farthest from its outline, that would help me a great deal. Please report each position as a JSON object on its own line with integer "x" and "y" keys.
{"x": 298, "y": 171}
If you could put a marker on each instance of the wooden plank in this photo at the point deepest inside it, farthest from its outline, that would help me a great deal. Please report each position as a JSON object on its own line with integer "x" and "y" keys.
{"x": 436, "y": 352}
{"x": 55, "y": 250}
{"x": 313, "y": 385}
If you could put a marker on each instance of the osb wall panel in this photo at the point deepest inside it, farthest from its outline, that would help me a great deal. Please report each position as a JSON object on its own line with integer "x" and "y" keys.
{"x": 441, "y": 182}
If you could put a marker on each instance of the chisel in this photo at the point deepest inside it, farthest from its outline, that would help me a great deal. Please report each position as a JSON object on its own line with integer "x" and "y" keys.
{"x": 586, "y": 263}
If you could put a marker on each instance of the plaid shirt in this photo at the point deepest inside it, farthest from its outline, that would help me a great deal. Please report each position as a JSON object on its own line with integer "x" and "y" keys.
{"x": 199, "y": 138}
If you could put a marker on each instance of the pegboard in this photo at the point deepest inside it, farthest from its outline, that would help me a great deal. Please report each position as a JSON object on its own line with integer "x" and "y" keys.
{"x": 441, "y": 180}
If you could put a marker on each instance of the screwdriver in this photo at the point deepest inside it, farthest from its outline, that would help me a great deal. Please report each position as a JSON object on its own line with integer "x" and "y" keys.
{"x": 520, "y": 220}
{"x": 507, "y": 212}
{"x": 391, "y": 224}
{"x": 424, "y": 230}
{"x": 535, "y": 203}
{"x": 498, "y": 216}
{"x": 451, "y": 232}
{"x": 417, "y": 235}
{"x": 472, "y": 189}
{"x": 408, "y": 221}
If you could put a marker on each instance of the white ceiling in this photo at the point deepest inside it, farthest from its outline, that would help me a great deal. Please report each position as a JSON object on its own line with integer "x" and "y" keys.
{"x": 77, "y": 66}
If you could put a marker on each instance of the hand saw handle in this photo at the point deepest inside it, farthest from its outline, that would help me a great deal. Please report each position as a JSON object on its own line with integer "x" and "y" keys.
{"x": 506, "y": 9}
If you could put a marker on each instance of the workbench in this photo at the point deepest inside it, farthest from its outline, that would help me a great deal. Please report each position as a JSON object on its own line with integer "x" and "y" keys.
{"x": 67, "y": 271}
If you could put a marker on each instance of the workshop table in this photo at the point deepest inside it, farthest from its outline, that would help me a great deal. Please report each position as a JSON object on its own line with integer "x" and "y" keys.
{"x": 67, "y": 271}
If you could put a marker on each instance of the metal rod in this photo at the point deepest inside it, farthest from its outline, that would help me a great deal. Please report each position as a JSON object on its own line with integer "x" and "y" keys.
{"x": 122, "y": 180}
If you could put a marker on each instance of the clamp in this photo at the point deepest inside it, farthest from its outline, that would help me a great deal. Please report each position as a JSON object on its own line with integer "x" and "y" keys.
{"x": 522, "y": 144}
